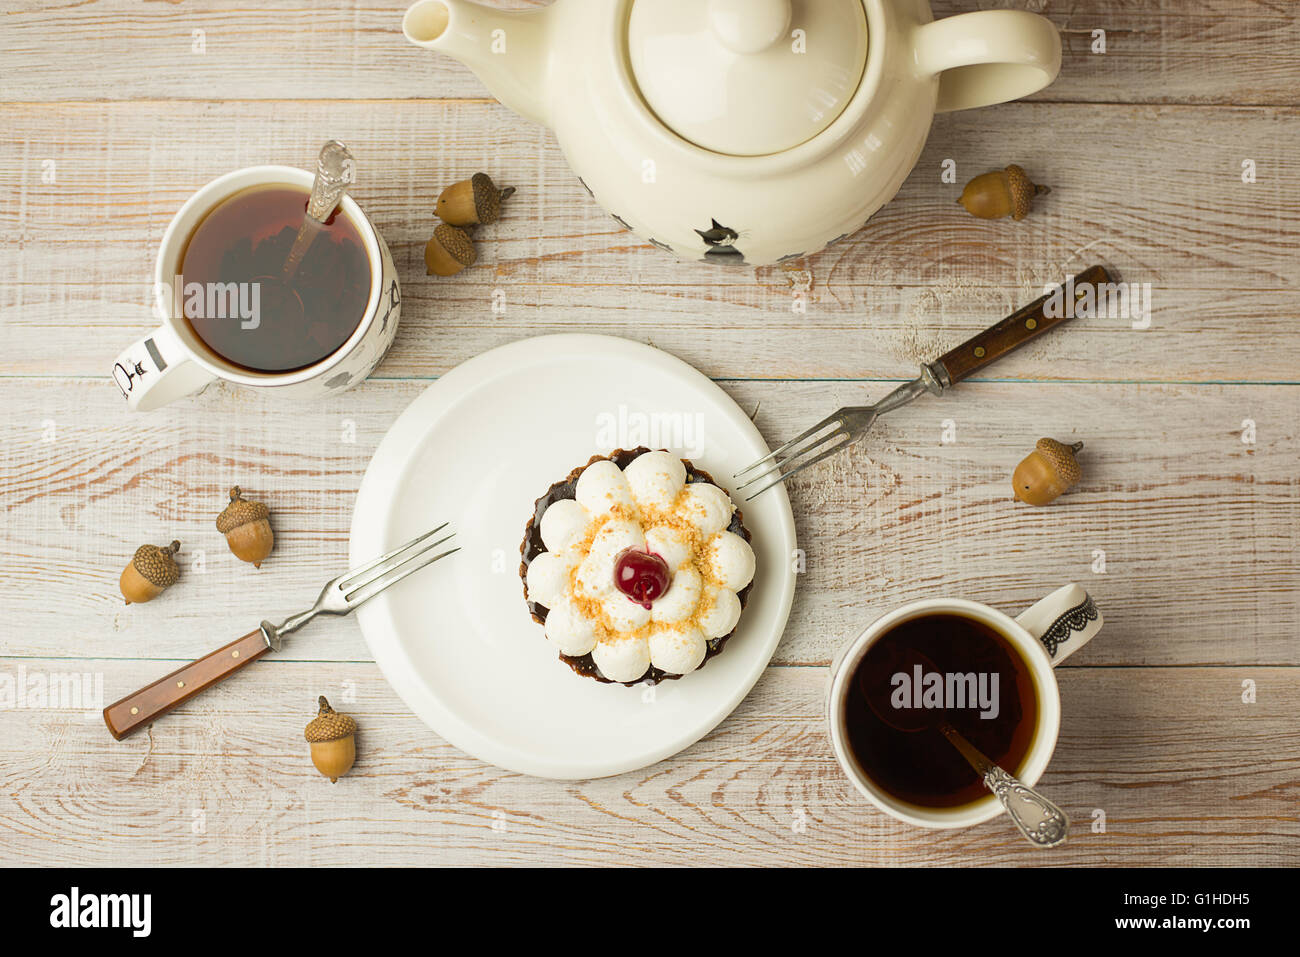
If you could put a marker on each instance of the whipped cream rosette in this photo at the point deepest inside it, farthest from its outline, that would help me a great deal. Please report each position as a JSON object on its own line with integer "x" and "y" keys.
{"x": 638, "y": 566}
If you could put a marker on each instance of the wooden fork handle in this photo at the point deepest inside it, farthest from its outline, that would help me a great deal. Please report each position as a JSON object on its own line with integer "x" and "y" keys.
{"x": 1020, "y": 327}
{"x": 153, "y": 701}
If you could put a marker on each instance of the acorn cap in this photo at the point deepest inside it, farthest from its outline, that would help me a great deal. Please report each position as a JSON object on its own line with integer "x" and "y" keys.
{"x": 240, "y": 512}
{"x": 1061, "y": 457}
{"x": 329, "y": 725}
{"x": 156, "y": 565}
{"x": 1023, "y": 191}
{"x": 457, "y": 243}
{"x": 487, "y": 198}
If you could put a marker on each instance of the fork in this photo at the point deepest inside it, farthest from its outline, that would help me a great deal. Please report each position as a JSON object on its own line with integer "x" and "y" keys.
{"x": 340, "y": 596}
{"x": 845, "y": 426}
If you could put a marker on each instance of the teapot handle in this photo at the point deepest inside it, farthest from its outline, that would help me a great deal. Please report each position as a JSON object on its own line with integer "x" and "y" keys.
{"x": 990, "y": 56}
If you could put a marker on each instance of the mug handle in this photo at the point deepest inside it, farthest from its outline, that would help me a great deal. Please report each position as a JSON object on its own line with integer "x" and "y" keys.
{"x": 156, "y": 370}
{"x": 1064, "y": 621}
{"x": 991, "y": 56}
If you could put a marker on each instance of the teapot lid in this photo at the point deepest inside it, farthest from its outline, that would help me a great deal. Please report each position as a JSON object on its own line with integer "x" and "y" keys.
{"x": 747, "y": 77}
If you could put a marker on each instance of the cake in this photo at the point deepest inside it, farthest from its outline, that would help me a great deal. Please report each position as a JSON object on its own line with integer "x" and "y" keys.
{"x": 638, "y": 567}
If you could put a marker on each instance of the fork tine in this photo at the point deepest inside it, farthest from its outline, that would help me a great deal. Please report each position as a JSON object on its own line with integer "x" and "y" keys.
{"x": 831, "y": 420}
{"x": 394, "y": 575}
{"x": 784, "y": 462}
{"x": 355, "y": 573}
{"x": 357, "y": 582}
{"x": 848, "y": 440}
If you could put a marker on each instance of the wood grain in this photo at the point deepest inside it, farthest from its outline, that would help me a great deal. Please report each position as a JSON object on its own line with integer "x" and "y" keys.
{"x": 1161, "y": 752}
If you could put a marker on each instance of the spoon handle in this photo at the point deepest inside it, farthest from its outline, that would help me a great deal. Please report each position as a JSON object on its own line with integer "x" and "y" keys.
{"x": 1041, "y": 822}
{"x": 335, "y": 172}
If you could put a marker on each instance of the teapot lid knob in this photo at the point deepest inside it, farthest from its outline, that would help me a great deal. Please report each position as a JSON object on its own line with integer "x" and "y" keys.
{"x": 749, "y": 26}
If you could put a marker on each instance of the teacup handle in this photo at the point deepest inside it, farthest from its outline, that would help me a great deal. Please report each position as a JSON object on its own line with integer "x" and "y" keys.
{"x": 991, "y": 56}
{"x": 1064, "y": 621}
{"x": 156, "y": 370}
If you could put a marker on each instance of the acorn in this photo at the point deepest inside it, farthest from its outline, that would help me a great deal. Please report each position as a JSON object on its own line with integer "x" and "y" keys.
{"x": 448, "y": 251}
{"x": 1002, "y": 192}
{"x": 333, "y": 741}
{"x": 247, "y": 528}
{"x": 151, "y": 572}
{"x": 1046, "y": 472}
{"x": 472, "y": 201}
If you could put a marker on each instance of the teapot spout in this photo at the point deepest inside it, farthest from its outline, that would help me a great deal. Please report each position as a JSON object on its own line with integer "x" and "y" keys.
{"x": 509, "y": 50}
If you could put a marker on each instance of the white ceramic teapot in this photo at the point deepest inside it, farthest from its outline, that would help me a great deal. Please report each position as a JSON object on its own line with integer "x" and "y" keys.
{"x": 742, "y": 132}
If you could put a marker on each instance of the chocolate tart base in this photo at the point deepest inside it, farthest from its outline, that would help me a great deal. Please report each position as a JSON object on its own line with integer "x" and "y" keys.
{"x": 532, "y": 546}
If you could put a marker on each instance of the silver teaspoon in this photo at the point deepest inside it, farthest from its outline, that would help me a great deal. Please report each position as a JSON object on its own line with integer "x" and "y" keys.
{"x": 335, "y": 171}
{"x": 1041, "y": 822}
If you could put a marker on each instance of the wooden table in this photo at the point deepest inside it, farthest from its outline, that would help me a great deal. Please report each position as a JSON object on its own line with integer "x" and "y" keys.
{"x": 1180, "y": 740}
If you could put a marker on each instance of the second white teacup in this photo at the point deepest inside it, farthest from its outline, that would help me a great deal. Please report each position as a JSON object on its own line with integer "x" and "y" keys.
{"x": 1042, "y": 637}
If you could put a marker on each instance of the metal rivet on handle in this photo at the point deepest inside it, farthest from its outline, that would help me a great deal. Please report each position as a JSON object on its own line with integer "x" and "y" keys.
{"x": 180, "y": 684}
{"x": 979, "y": 352}
{"x": 1031, "y": 323}
{"x": 135, "y": 710}
{"x": 234, "y": 654}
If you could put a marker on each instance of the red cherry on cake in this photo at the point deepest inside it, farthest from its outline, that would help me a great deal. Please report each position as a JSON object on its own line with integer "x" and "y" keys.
{"x": 641, "y": 575}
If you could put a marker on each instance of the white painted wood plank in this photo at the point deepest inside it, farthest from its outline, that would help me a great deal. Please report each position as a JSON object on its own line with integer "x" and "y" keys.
{"x": 1214, "y": 51}
{"x": 1184, "y": 772}
{"x": 1199, "y": 530}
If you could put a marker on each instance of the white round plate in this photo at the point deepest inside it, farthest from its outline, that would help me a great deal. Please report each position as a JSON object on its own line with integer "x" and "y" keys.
{"x": 477, "y": 449}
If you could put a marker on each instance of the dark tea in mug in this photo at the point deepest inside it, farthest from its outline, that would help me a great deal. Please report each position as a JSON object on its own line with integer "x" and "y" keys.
{"x": 252, "y": 307}
{"x": 924, "y": 672}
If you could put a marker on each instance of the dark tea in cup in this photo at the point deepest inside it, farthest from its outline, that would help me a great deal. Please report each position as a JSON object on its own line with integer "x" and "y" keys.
{"x": 258, "y": 303}
{"x": 923, "y": 672}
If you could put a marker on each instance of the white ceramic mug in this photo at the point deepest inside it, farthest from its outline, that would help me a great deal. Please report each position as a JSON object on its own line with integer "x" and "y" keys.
{"x": 1044, "y": 636}
{"x": 171, "y": 362}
